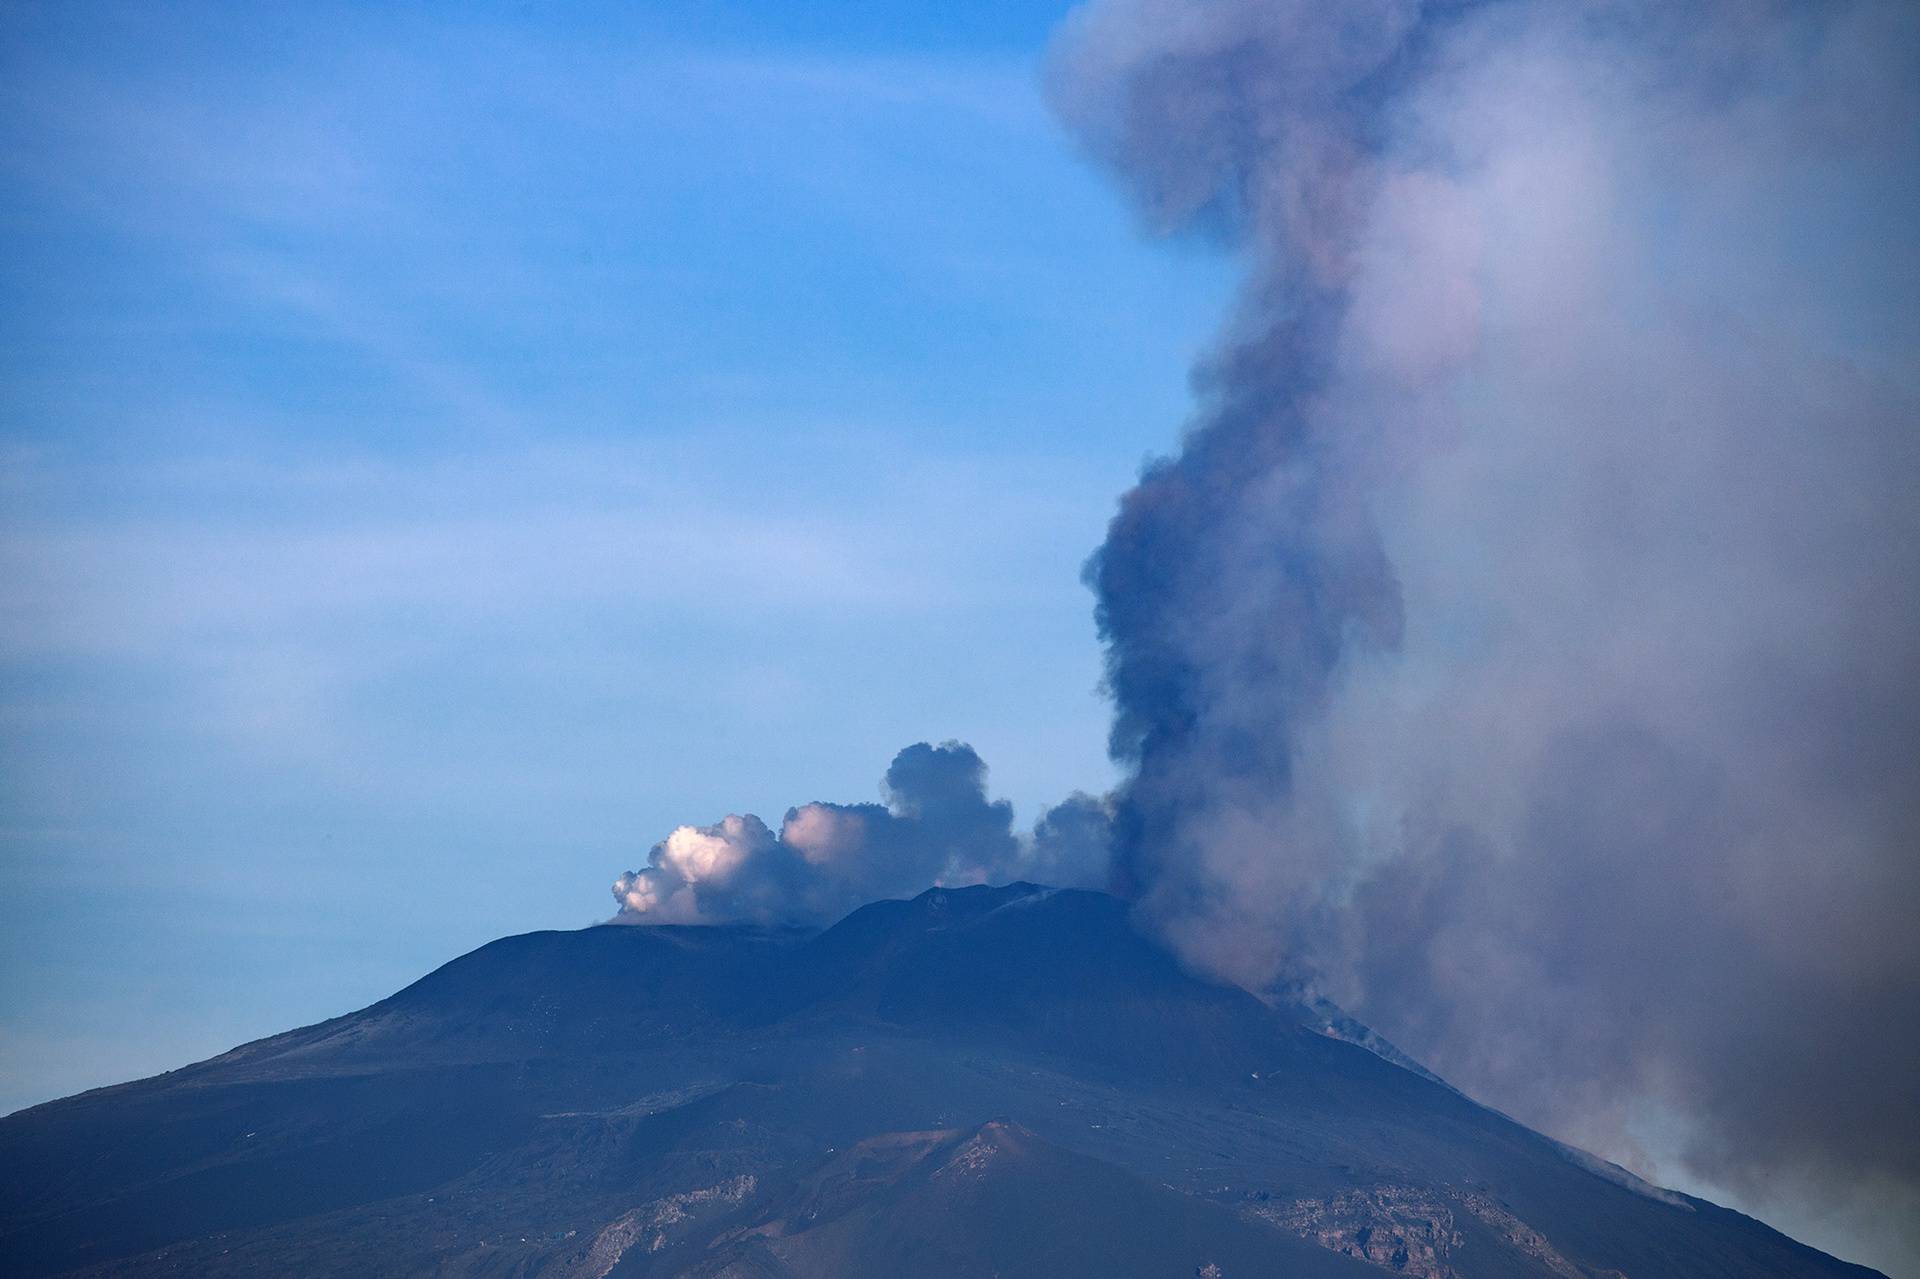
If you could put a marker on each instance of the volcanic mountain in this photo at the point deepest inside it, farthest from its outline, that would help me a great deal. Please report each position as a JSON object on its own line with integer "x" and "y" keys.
{"x": 981, "y": 1081}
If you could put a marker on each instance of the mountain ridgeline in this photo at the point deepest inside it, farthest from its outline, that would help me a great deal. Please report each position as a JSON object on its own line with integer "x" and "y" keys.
{"x": 981, "y": 1081}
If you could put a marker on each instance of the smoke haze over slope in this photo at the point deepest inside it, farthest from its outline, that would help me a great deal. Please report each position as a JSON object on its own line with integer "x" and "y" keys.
{"x": 1522, "y": 646}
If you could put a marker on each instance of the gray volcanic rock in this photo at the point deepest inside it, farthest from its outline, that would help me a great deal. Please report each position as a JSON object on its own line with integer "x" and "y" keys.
{"x": 990, "y": 1081}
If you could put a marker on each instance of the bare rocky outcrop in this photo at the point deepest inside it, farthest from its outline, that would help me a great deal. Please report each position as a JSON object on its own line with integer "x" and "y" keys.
{"x": 1400, "y": 1228}
{"x": 651, "y": 1224}
{"x": 1520, "y": 1236}
{"x": 1411, "y": 1231}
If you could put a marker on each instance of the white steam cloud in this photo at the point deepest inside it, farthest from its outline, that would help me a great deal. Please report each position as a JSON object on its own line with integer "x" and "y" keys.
{"x": 937, "y": 827}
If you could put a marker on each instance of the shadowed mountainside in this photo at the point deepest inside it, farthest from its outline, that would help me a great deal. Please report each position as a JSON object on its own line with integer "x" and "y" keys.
{"x": 979, "y": 1081}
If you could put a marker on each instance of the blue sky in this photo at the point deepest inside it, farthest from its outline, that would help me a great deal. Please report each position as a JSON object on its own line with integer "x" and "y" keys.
{"x": 442, "y": 447}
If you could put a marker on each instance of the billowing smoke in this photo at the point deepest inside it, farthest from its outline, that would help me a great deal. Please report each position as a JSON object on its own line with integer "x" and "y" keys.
{"x": 1523, "y": 648}
{"x": 936, "y": 827}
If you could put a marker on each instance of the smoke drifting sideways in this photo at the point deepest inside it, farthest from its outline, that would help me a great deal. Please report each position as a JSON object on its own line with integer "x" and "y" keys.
{"x": 937, "y": 827}
{"x": 1523, "y": 648}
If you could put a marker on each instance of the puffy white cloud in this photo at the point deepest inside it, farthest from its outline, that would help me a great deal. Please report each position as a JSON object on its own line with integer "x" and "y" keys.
{"x": 825, "y": 834}
{"x": 714, "y": 854}
{"x": 937, "y": 828}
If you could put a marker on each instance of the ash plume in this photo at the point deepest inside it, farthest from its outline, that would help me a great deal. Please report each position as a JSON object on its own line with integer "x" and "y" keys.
{"x": 1523, "y": 648}
{"x": 937, "y": 827}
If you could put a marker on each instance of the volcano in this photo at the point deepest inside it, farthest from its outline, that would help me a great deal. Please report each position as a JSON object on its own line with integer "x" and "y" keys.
{"x": 982, "y": 1081}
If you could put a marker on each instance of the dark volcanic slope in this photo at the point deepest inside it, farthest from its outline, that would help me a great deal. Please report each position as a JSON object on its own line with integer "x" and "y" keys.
{"x": 979, "y": 1081}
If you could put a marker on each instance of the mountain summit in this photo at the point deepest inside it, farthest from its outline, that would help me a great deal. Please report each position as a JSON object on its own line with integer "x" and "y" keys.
{"x": 980, "y": 1081}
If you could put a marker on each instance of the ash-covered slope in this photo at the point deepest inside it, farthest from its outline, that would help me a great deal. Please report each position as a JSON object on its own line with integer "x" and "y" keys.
{"x": 978, "y": 1081}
